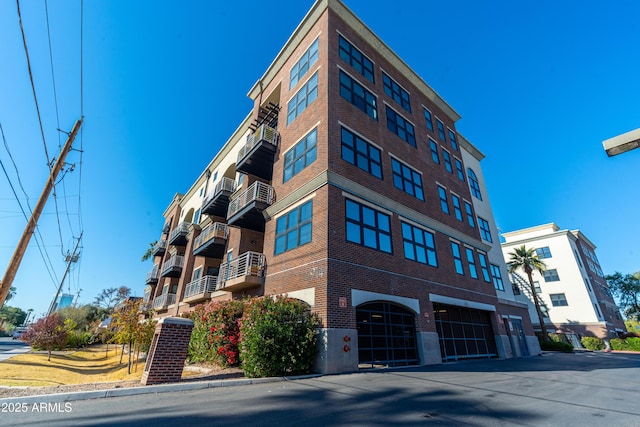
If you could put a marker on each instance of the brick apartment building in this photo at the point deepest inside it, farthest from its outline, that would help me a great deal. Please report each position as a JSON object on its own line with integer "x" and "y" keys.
{"x": 348, "y": 187}
{"x": 574, "y": 294}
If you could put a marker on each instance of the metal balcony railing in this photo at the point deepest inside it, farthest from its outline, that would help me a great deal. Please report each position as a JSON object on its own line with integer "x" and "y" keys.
{"x": 216, "y": 230}
{"x": 176, "y": 261}
{"x": 257, "y": 192}
{"x": 247, "y": 264}
{"x": 181, "y": 229}
{"x": 263, "y": 133}
{"x": 160, "y": 245}
{"x": 201, "y": 286}
{"x": 154, "y": 274}
{"x": 225, "y": 184}
{"x": 164, "y": 301}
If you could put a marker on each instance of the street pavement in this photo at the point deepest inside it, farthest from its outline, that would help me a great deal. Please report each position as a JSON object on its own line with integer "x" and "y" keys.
{"x": 10, "y": 347}
{"x": 556, "y": 389}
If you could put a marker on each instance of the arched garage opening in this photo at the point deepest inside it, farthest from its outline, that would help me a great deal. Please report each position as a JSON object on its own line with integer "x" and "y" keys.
{"x": 386, "y": 335}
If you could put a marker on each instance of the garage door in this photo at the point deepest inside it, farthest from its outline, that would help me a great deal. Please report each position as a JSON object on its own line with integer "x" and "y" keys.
{"x": 386, "y": 335}
{"x": 464, "y": 333}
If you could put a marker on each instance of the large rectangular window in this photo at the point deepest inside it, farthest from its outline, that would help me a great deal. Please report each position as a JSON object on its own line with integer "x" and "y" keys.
{"x": 558, "y": 300}
{"x": 485, "y": 231}
{"x": 452, "y": 138}
{"x": 459, "y": 169}
{"x": 434, "y": 151}
{"x": 301, "y": 100}
{"x": 360, "y": 153}
{"x": 400, "y": 126}
{"x": 396, "y": 92}
{"x": 293, "y": 229}
{"x": 447, "y": 161}
{"x": 551, "y": 275}
{"x": 304, "y": 63}
{"x": 543, "y": 252}
{"x": 407, "y": 179}
{"x": 457, "y": 209}
{"x": 457, "y": 258}
{"x": 428, "y": 119}
{"x": 356, "y": 94}
{"x": 469, "y": 211}
{"x": 497, "y": 277}
{"x": 419, "y": 245}
{"x": 368, "y": 227}
{"x": 484, "y": 267}
{"x": 356, "y": 59}
{"x": 441, "y": 130}
{"x": 473, "y": 271}
{"x": 300, "y": 156}
{"x": 444, "y": 203}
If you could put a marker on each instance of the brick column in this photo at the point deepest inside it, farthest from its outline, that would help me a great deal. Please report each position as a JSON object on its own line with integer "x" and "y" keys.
{"x": 168, "y": 351}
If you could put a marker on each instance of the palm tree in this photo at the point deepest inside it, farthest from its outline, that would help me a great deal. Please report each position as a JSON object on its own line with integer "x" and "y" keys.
{"x": 149, "y": 253}
{"x": 527, "y": 260}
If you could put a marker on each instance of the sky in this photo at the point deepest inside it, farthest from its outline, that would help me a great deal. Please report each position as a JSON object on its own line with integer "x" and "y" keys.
{"x": 539, "y": 86}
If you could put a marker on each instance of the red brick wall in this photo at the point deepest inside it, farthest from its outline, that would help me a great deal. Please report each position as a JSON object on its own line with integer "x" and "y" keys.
{"x": 168, "y": 352}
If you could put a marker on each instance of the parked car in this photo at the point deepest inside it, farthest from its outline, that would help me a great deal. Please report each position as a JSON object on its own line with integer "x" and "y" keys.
{"x": 17, "y": 333}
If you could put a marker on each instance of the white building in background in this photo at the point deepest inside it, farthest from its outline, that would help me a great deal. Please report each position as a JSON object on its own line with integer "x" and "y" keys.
{"x": 575, "y": 297}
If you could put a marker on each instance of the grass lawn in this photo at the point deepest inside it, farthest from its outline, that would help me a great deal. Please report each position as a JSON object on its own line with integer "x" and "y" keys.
{"x": 89, "y": 365}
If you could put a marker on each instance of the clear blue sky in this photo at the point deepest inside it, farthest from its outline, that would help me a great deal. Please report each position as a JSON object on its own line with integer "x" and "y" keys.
{"x": 539, "y": 85}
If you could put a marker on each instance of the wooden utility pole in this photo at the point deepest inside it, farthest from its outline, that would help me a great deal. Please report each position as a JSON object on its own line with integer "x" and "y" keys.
{"x": 14, "y": 263}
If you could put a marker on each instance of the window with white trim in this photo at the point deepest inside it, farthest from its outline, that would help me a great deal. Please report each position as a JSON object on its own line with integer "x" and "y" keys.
{"x": 304, "y": 63}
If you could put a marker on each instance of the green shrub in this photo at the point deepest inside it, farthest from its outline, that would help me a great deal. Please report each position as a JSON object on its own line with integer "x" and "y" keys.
{"x": 278, "y": 337}
{"x": 77, "y": 339}
{"x": 556, "y": 346}
{"x": 592, "y": 343}
{"x": 216, "y": 332}
{"x": 628, "y": 344}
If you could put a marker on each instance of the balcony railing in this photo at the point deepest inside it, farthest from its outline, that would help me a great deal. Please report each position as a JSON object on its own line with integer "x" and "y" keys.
{"x": 153, "y": 275}
{"x": 245, "y": 271}
{"x": 256, "y": 156}
{"x": 216, "y": 201}
{"x": 160, "y": 247}
{"x": 200, "y": 288}
{"x": 257, "y": 192}
{"x": 173, "y": 266}
{"x": 163, "y": 301}
{"x": 178, "y": 235}
{"x": 211, "y": 241}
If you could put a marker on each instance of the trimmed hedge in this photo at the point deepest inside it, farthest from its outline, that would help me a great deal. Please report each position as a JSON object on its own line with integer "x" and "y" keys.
{"x": 592, "y": 343}
{"x": 629, "y": 344}
{"x": 556, "y": 346}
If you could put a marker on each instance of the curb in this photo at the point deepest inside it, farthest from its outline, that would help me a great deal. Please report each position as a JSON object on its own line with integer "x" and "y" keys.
{"x": 161, "y": 388}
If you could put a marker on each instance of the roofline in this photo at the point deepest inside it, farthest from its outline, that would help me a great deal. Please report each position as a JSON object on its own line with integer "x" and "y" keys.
{"x": 470, "y": 148}
{"x": 551, "y": 225}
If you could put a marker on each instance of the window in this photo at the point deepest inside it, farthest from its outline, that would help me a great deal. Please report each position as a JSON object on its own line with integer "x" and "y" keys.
{"x": 473, "y": 272}
{"x": 215, "y": 176}
{"x": 302, "y": 66}
{"x": 577, "y": 258}
{"x": 538, "y": 289}
{"x": 393, "y": 90}
{"x": 459, "y": 170}
{"x": 407, "y": 179}
{"x": 349, "y": 53}
{"x": 484, "y": 267}
{"x": 293, "y": 229}
{"x": 360, "y": 153}
{"x": 196, "y": 217}
{"x": 398, "y": 125}
{"x": 428, "y": 119}
{"x": 419, "y": 245}
{"x": 444, "y": 204}
{"x": 434, "y": 151}
{"x": 470, "y": 219}
{"x": 452, "y": 138}
{"x": 497, "y": 277}
{"x": 473, "y": 183}
{"x": 368, "y": 227}
{"x": 447, "y": 161}
{"x": 440, "y": 130}
{"x": 558, "y": 300}
{"x": 485, "y": 231}
{"x": 300, "y": 156}
{"x": 456, "y": 207}
{"x": 543, "y": 252}
{"x": 356, "y": 94}
{"x": 586, "y": 282}
{"x": 457, "y": 258}
{"x": 301, "y": 100}
{"x": 597, "y": 310}
{"x": 551, "y": 275}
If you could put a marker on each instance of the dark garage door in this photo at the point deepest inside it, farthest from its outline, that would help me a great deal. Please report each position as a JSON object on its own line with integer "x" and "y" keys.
{"x": 386, "y": 335}
{"x": 464, "y": 333}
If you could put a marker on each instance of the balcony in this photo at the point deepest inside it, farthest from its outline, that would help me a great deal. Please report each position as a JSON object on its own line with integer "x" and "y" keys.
{"x": 164, "y": 301}
{"x": 178, "y": 236}
{"x": 256, "y": 157}
{"x": 211, "y": 242}
{"x": 246, "y": 210}
{"x": 160, "y": 247}
{"x": 153, "y": 276}
{"x": 200, "y": 289}
{"x": 216, "y": 201}
{"x": 246, "y": 271}
{"x": 173, "y": 266}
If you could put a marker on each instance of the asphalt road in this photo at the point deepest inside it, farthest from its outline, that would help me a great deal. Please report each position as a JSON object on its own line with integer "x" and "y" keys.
{"x": 10, "y": 347}
{"x": 582, "y": 389}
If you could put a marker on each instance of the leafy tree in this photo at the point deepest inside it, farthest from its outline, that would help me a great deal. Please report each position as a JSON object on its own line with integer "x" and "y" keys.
{"x": 12, "y": 316}
{"x": 527, "y": 260}
{"x": 626, "y": 288}
{"x": 149, "y": 253}
{"x": 130, "y": 330}
{"x": 111, "y": 297}
{"x": 47, "y": 333}
{"x": 10, "y": 294}
{"x": 81, "y": 316}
